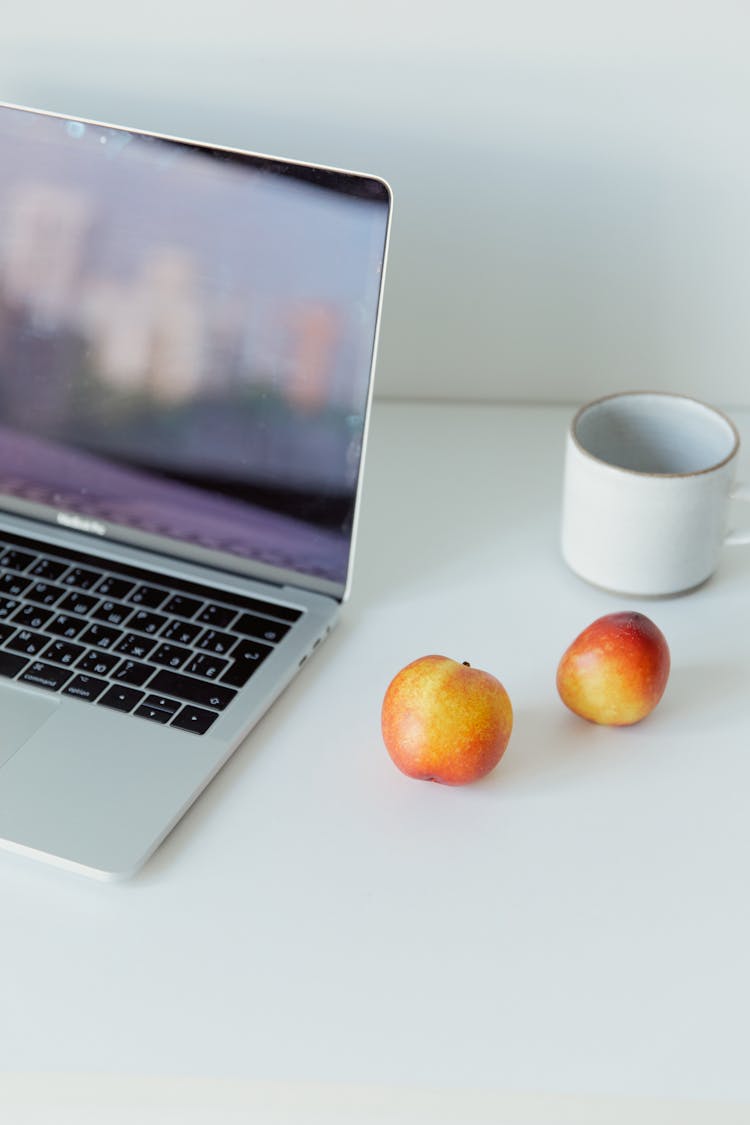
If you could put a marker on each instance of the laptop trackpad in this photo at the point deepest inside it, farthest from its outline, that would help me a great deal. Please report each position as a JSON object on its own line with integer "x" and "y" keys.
{"x": 20, "y": 716}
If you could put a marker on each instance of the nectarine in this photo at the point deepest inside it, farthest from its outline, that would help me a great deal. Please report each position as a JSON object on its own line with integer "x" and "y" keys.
{"x": 445, "y": 721}
{"x": 616, "y": 670}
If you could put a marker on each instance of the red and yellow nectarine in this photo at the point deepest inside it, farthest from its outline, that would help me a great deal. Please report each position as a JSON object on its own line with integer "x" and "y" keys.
{"x": 616, "y": 670}
{"x": 445, "y": 721}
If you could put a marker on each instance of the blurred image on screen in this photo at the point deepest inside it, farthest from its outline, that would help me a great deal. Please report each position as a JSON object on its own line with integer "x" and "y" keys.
{"x": 186, "y": 338}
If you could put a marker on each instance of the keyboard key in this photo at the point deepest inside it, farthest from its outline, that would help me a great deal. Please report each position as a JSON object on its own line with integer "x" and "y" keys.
{"x": 170, "y": 656}
{"x": 5, "y": 632}
{"x": 78, "y": 603}
{"x": 63, "y": 652}
{"x": 154, "y": 713}
{"x": 133, "y": 645}
{"x": 182, "y": 606}
{"x": 121, "y": 698}
{"x": 217, "y": 615}
{"x": 114, "y": 613}
{"x": 195, "y": 691}
{"x": 250, "y": 625}
{"x": 163, "y": 702}
{"x": 45, "y": 676}
{"x": 28, "y": 643}
{"x": 66, "y": 626}
{"x": 32, "y": 617}
{"x": 206, "y": 665}
{"x": 283, "y": 612}
{"x": 101, "y": 636}
{"x": 97, "y": 662}
{"x": 150, "y": 597}
{"x": 133, "y": 672}
{"x": 49, "y": 568}
{"x": 247, "y": 656}
{"x": 85, "y": 687}
{"x": 213, "y": 641}
{"x": 194, "y": 719}
{"x": 16, "y": 560}
{"x": 8, "y": 606}
{"x": 13, "y": 584}
{"x": 11, "y": 665}
{"x": 182, "y": 632}
{"x": 146, "y": 622}
{"x": 110, "y": 587}
{"x": 45, "y": 593}
{"x": 82, "y": 578}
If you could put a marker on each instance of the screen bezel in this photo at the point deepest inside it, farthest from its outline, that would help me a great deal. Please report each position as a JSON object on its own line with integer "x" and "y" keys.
{"x": 348, "y": 183}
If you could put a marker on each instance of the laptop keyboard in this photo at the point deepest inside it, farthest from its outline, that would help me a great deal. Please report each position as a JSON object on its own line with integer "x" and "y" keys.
{"x": 119, "y": 636}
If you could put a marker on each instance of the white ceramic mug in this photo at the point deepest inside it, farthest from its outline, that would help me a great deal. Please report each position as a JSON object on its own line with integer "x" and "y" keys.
{"x": 648, "y": 480}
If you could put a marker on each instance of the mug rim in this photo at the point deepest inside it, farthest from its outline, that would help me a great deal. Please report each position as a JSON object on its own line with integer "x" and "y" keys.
{"x": 661, "y": 394}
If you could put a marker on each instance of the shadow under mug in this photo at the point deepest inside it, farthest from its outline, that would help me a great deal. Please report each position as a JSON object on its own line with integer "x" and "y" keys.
{"x": 648, "y": 480}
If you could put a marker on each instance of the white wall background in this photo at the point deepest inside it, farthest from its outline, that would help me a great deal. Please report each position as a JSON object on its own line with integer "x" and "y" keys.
{"x": 572, "y": 179}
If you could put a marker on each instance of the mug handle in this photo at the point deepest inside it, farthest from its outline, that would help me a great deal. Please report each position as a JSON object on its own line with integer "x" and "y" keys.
{"x": 740, "y": 492}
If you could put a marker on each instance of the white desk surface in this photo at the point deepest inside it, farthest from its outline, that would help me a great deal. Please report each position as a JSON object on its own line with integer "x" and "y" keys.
{"x": 323, "y": 939}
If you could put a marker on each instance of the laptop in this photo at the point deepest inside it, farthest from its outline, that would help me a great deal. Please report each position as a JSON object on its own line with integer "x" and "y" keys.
{"x": 187, "y": 342}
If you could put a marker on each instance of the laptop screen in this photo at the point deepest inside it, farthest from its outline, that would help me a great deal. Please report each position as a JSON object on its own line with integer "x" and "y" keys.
{"x": 186, "y": 341}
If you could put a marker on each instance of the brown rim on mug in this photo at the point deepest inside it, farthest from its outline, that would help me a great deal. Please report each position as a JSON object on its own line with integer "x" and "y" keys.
{"x": 653, "y": 394}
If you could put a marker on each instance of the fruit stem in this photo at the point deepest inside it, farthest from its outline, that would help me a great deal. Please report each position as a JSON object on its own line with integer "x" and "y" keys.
{"x": 466, "y": 664}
